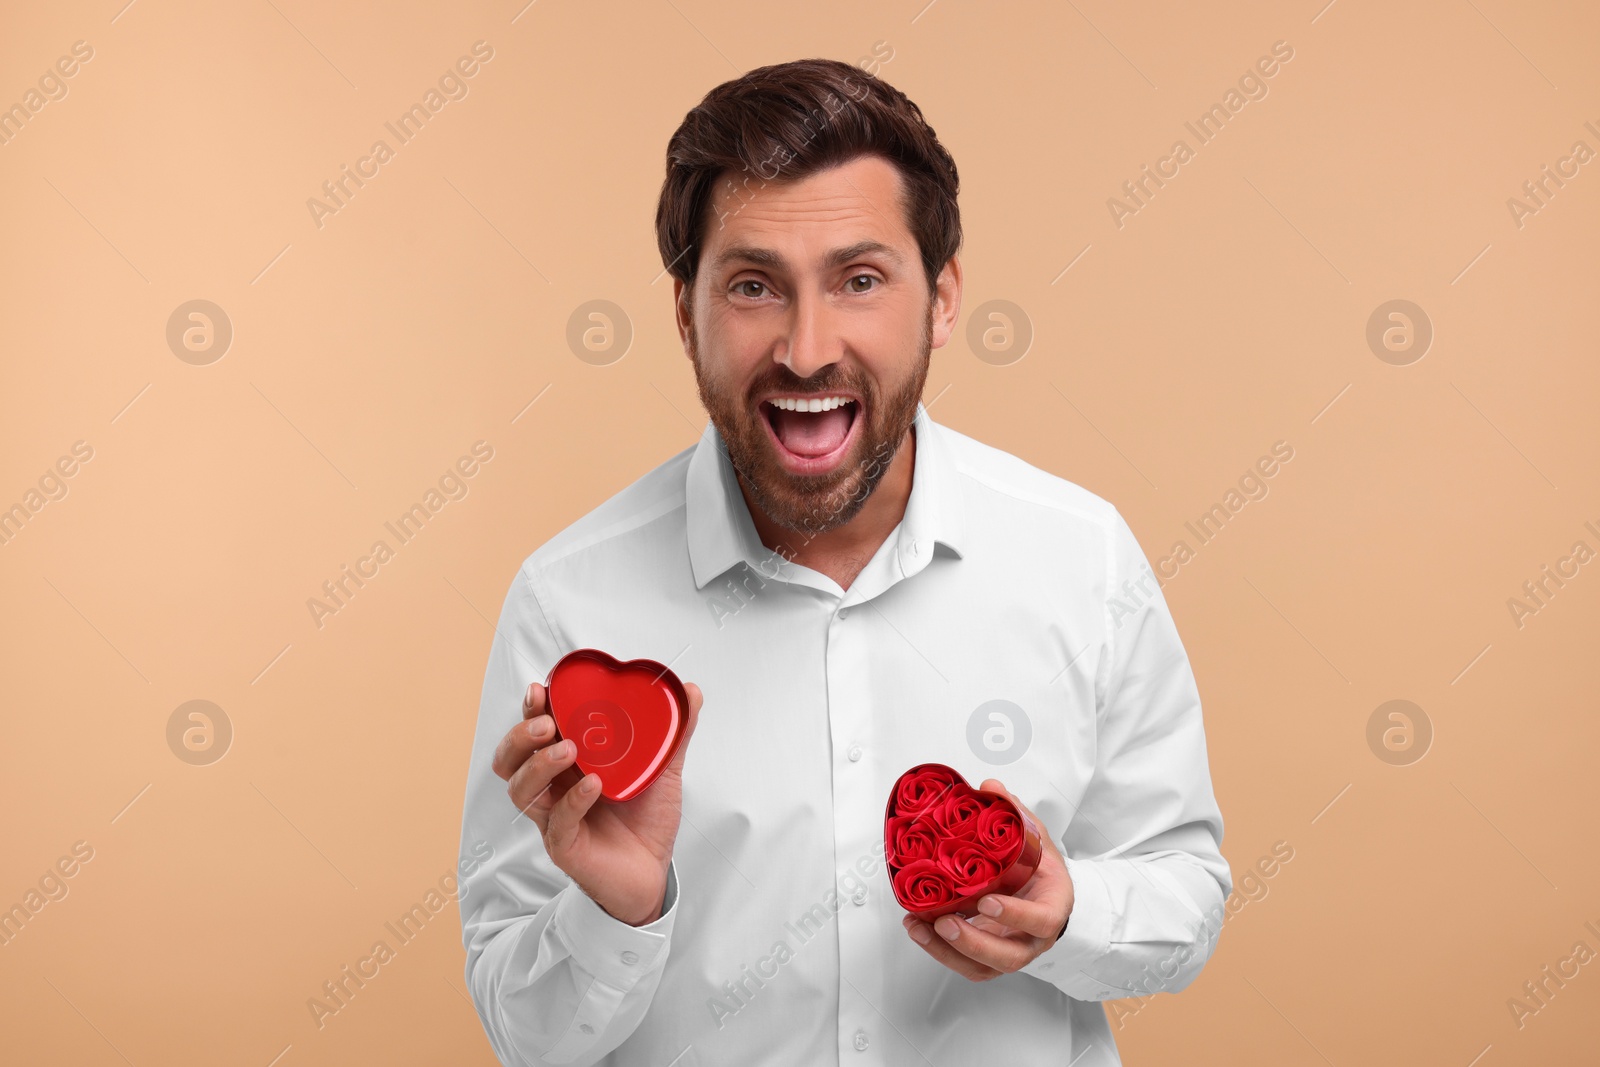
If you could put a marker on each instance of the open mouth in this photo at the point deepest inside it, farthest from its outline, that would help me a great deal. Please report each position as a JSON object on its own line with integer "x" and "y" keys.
{"x": 811, "y": 433}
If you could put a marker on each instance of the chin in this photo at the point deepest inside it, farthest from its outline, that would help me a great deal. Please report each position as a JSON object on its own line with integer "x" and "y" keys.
{"x": 816, "y": 503}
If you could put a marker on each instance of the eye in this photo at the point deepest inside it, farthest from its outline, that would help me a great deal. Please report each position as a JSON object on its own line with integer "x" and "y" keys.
{"x": 738, "y": 287}
{"x": 859, "y": 277}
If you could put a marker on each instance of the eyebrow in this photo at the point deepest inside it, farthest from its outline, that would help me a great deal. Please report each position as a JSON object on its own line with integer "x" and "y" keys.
{"x": 766, "y": 257}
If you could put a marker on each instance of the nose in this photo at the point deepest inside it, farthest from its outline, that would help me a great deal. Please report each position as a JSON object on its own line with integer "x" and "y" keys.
{"x": 813, "y": 341}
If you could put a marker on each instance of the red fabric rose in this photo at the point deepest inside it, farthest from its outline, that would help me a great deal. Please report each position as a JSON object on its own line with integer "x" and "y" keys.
{"x": 957, "y": 815}
{"x": 923, "y": 884}
{"x": 911, "y": 837}
{"x": 969, "y": 866}
{"x": 999, "y": 832}
{"x": 947, "y": 843}
{"x": 922, "y": 790}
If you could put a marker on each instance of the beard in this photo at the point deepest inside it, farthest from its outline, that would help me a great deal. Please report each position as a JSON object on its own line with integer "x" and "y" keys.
{"x": 813, "y": 504}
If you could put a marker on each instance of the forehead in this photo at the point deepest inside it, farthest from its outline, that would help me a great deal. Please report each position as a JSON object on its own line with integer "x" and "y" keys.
{"x": 854, "y": 202}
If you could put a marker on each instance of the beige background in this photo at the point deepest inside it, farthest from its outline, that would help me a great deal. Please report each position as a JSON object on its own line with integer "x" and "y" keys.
{"x": 368, "y": 354}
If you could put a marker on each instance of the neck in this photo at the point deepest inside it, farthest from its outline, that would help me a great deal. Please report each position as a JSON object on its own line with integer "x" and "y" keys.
{"x": 843, "y": 551}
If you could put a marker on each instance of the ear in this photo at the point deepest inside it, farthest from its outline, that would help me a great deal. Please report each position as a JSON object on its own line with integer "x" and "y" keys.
{"x": 682, "y": 313}
{"x": 946, "y": 303}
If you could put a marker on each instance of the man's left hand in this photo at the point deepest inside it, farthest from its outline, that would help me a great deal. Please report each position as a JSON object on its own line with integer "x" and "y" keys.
{"x": 1012, "y": 931}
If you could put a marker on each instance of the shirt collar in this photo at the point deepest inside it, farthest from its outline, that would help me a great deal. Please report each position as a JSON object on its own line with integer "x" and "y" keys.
{"x": 721, "y": 533}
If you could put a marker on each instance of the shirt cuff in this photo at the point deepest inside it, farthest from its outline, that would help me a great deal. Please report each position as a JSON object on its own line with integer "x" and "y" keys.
{"x": 608, "y": 948}
{"x": 1087, "y": 939}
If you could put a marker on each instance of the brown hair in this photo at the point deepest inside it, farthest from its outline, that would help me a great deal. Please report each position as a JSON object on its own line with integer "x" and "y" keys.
{"x": 786, "y": 121}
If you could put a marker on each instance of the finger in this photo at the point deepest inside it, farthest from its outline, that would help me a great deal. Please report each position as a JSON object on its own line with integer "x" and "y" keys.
{"x": 1034, "y": 917}
{"x": 538, "y": 808}
{"x": 994, "y": 785}
{"x": 535, "y": 776}
{"x": 561, "y": 828}
{"x": 993, "y": 951}
{"x": 533, "y": 700}
{"x": 696, "y": 699}
{"x": 930, "y": 942}
{"x": 521, "y": 742}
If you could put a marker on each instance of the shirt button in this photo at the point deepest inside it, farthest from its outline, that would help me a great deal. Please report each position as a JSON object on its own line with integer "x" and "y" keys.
{"x": 844, "y": 613}
{"x": 859, "y": 896}
{"x": 630, "y": 957}
{"x": 586, "y": 1028}
{"x": 861, "y": 1041}
{"x": 854, "y": 754}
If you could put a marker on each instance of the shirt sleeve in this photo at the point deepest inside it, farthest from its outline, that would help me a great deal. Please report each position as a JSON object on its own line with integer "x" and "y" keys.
{"x": 1143, "y": 847}
{"x": 553, "y": 976}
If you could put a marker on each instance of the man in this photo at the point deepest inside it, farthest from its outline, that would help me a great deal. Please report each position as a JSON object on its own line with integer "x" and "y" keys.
{"x": 849, "y": 589}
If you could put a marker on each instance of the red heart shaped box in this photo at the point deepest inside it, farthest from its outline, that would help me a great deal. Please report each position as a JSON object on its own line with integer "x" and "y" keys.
{"x": 1015, "y": 870}
{"x": 626, "y": 718}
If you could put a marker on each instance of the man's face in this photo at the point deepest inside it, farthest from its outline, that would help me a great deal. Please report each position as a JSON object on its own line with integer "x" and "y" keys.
{"x": 812, "y": 293}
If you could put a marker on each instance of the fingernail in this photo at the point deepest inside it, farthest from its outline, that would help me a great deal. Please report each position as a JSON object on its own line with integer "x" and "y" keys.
{"x": 589, "y": 784}
{"x": 536, "y": 727}
{"x": 989, "y": 906}
{"x": 949, "y": 928}
{"x": 919, "y": 933}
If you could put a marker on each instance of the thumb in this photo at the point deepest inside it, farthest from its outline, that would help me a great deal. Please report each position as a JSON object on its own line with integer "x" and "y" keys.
{"x": 994, "y": 785}
{"x": 696, "y": 699}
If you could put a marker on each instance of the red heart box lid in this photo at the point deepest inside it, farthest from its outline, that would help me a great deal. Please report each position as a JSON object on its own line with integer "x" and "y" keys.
{"x": 627, "y": 719}
{"x": 947, "y": 844}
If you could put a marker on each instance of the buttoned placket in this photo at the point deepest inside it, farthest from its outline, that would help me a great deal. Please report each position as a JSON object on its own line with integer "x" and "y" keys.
{"x": 857, "y": 803}
{"x": 855, "y": 626}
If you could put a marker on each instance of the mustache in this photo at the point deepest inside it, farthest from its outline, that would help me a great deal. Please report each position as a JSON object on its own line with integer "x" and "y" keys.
{"x": 831, "y": 379}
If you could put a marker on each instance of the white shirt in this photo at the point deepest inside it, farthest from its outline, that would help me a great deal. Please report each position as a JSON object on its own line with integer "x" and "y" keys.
{"x": 780, "y": 941}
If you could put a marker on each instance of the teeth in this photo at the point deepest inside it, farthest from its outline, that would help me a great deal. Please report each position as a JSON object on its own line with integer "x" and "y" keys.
{"x": 827, "y": 403}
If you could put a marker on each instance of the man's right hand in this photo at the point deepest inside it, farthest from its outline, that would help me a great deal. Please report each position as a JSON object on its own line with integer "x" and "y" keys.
{"x": 617, "y": 853}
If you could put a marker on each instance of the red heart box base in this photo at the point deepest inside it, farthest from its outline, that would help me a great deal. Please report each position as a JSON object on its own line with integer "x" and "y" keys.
{"x": 947, "y": 844}
{"x": 627, "y": 719}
